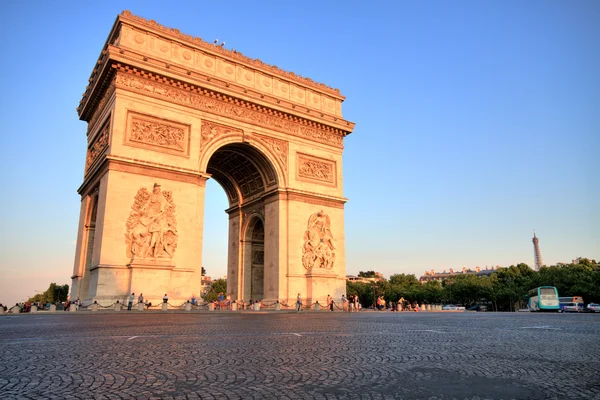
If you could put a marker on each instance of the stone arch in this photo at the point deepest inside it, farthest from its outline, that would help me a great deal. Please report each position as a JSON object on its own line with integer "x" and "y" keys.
{"x": 89, "y": 237}
{"x": 250, "y": 222}
{"x": 253, "y": 265}
{"x": 261, "y": 149}
{"x": 249, "y": 177}
{"x": 273, "y": 140}
{"x": 244, "y": 172}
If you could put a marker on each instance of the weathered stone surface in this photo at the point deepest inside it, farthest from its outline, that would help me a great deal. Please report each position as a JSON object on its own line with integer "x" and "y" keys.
{"x": 165, "y": 113}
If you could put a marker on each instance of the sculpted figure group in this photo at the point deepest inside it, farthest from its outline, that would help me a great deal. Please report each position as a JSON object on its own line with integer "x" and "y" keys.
{"x": 318, "y": 243}
{"x": 152, "y": 231}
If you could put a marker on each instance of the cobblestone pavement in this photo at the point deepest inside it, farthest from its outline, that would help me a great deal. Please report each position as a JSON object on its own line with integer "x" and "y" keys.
{"x": 285, "y": 355}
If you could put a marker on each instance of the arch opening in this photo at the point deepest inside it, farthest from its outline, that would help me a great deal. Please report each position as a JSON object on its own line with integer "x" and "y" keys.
{"x": 246, "y": 175}
{"x": 255, "y": 260}
{"x": 243, "y": 172}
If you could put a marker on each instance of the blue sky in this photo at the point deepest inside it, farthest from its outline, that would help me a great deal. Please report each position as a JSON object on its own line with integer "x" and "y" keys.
{"x": 476, "y": 122}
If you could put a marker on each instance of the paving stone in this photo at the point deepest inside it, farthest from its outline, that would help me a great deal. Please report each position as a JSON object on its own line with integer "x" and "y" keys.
{"x": 368, "y": 355}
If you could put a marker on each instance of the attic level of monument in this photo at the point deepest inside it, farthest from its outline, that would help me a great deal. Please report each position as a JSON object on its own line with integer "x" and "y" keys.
{"x": 157, "y": 51}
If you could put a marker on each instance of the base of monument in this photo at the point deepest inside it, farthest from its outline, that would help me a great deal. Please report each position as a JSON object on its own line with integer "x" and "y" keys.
{"x": 319, "y": 281}
{"x": 152, "y": 263}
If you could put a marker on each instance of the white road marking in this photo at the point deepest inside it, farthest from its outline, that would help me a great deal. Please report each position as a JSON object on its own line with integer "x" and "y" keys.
{"x": 297, "y": 334}
{"x": 133, "y": 337}
{"x": 540, "y": 327}
{"x": 424, "y": 330}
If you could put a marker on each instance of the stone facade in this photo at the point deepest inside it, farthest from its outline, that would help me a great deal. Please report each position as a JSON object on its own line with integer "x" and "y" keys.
{"x": 166, "y": 112}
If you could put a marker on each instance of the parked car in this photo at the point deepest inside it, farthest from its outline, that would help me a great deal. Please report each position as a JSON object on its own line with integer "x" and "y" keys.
{"x": 478, "y": 307}
{"x": 452, "y": 307}
{"x": 572, "y": 307}
{"x": 593, "y": 307}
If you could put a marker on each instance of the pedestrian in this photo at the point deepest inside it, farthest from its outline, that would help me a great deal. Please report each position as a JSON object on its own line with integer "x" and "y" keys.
{"x": 165, "y": 298}
{"x": 298, "y": 303}
{"x": 356, "y": 302}
{"x": 193, "y": 299}
{"x": 344, "y": 303}
{"x": 141, "y": 298}
{"x": 130, "y": 303}
{"x": 330, "y": 302}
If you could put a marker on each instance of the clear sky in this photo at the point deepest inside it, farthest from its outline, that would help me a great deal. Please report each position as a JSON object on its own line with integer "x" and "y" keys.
{"x": 476, "y": 122}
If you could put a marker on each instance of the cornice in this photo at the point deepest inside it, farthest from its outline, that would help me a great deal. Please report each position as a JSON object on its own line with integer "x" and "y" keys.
{"x": 115, "y": 58}
{"x": 304, "y": 196}
{"x": 196, "y": 77}
{"x": 174, "y": 90}
{"x": 114, "y": 51}
{"x": 140, "y": 167}
{"x": 127, "y": 16}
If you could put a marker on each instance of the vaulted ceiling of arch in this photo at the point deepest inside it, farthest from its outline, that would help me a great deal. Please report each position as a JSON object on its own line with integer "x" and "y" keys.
{"x": 241, "y": 170}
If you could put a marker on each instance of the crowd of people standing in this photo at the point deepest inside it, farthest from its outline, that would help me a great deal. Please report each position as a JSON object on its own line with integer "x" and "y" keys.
{"x": 348, "y": 304}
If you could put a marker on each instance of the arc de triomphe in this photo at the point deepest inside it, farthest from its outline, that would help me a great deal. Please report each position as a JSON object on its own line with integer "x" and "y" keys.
{"x": 167, "y": 111}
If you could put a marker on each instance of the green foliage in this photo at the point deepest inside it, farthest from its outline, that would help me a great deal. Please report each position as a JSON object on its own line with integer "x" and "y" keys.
{"x": 581, "y": 279}
{"x": 218, "y": 286}
{"x": 368, "y": 274}
{"x": 504, "y": 290}
{"x": 54, "y": 294}
{"x": 363, "y": 290}
{"x": 403, "y": 280}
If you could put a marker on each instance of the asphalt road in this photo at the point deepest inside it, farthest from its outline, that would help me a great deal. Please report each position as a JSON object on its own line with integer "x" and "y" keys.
{"x": 370, "y": 355}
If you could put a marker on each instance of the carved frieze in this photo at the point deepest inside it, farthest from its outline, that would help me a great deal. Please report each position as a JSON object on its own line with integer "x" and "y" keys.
{"x": 318, "y": 249}
{"x": 218, "y": 104}
{"x": 211, "y": 130}
{"x": 316, "y": 169}
{"x": 98, "y": 146}
{"x": 100, "y": 107}
{"x": 151, "y": 229}
{"x": 157, "y": 134}
{"x": 279, "y": 147}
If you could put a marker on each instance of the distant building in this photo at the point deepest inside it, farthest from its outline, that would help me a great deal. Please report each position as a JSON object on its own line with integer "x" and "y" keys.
{"x": 440, "y": 276}
{"x": 205, "y": 285}
{"x": 353, "y": 278}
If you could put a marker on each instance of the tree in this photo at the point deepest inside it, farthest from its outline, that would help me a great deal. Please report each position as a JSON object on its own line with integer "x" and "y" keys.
{"x": 203, "y": 273}
{"x": 581, "y": 279}
{"x": 218, "y": 286}
{"x": 403, "y": 280}
{"x": 54, "y": 294}
{"x": 362, "y": 290}
{"x": 368, "y": 274}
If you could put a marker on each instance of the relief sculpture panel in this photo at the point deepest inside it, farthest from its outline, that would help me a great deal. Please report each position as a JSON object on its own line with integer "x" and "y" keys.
{"x": 312, "y": 168}
{"x": 157, "y": 134}
{"x": 98, "y": 146}
{"x": 210, "y": 130}
{"x": 151, "y": 229}
{"x": 279, "y": 147}
{"x": 318, "y": 250}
